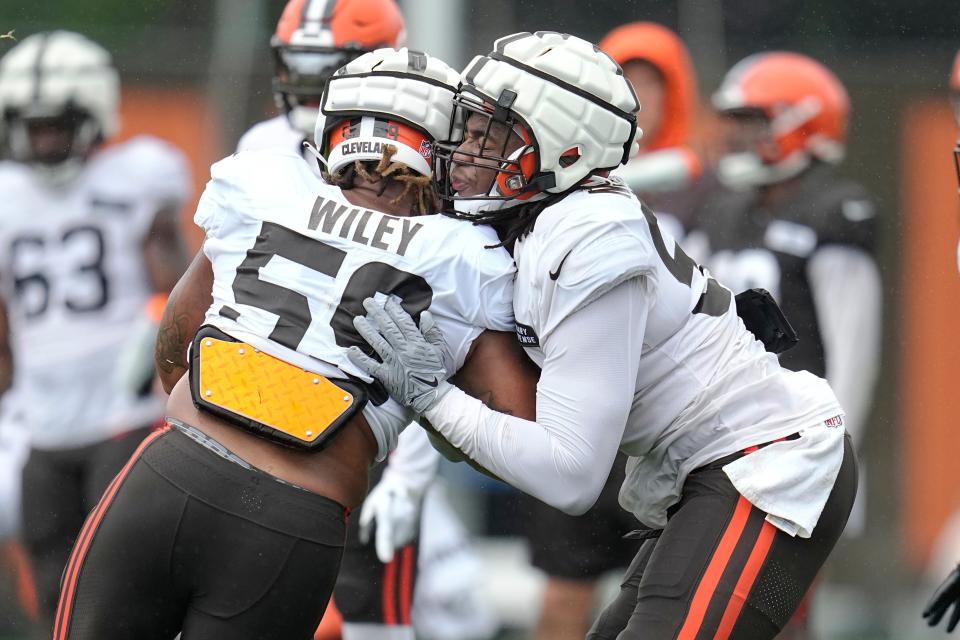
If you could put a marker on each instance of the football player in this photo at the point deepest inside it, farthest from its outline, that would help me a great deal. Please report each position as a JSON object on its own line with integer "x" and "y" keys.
{"x": 272, "y": 432}
{"x": 741, "y": 468}
{"x": 657, "y": 64}
{"x": 782, "y": 218}
{"x": 574, "y": 552}
{"x": 313, "y": 39}
{"x": 789, "y": 222}
{"x": 89, "y": 233}
{"x": 947, "y": 595}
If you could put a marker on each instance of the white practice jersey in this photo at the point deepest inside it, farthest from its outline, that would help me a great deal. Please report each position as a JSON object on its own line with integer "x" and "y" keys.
{"x": 293, "y": 261}
{"x": 74, "y": 281}
{"x": 705, "y": 387}
{"x": 277, "y": 132}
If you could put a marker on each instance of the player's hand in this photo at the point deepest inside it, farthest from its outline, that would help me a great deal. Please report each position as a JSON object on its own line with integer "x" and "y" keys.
{"x": 394, "y": 507}
{"x": 412, "y": 369}
{"x": 946, "y": 595}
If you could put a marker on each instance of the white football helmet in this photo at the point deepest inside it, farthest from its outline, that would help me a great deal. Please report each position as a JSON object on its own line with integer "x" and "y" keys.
{"x": 563, "y": 97}
{"x": 58, "y": 79}
{"x": 398, "y": 97}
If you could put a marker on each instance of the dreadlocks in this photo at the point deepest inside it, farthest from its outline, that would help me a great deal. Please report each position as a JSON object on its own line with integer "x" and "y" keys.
{"x": 387, "y": 172}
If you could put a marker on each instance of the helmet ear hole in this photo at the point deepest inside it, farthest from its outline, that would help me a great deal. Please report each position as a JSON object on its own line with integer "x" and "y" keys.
{"x": 569, "y": 157}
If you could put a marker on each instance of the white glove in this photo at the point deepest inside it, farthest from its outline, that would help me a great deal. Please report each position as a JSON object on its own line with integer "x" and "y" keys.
{"x": 395, "y": 508}
{"x": 412, "y": 369}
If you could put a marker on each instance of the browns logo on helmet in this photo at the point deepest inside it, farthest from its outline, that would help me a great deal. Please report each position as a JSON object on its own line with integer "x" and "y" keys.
{"x": 314, "y": 38}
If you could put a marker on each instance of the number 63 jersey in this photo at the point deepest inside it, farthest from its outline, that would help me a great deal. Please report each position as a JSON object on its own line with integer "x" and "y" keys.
{"x": 74, "y": 283}
{"x": 293, "y": 261}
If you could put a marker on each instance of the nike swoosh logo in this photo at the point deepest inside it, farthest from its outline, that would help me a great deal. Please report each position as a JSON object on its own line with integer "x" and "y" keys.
{"x": 556, "y": 274}
{"x": 429, "y": 383}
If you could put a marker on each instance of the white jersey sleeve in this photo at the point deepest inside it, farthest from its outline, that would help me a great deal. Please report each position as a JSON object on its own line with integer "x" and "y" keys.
{"x": 851, "y": 339}
{"x": 584, "y": 397}
{"x": 578, "y": 256}
{"x": 293, "y": 261}
{"x": 273, "y": 133}
{"x": 159, "y": 172}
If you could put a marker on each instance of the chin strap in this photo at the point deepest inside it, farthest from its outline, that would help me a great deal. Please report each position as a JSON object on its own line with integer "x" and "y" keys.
{"x": 316, "y": 153}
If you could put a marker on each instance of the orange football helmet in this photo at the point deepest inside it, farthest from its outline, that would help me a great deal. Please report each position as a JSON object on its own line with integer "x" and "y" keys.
{"x": 804, "y": 106}
{"x": 314, "y": 38}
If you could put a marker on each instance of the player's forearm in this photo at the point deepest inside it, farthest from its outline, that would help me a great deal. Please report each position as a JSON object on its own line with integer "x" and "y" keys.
{"x": 185, "y": 311}
{"x": 583, "y": 401}
{"x": 164, "y": 251}
{"x": 6, "y": 368}
{"x": 547, "y": 462}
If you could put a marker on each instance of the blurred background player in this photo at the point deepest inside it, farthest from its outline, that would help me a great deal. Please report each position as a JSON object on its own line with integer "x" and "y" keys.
{"x": 574, "y": 552}
{"x": 378, "y": 573}
{"x": 88, "y": 234}
{"x": 947, "y": 595}
{"x": 782, "y": 218}
{"x": 658, "y": 65}
{"x": 313, "y": 39}
{"x": 18, "y": 599}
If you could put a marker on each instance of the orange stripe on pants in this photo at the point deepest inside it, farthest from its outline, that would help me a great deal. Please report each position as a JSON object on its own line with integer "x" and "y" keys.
{"x": 745, "y": 583}
{"x": 406, "y": 584}
{"x": 389, "y": 592}
{"x": 718, "y": 563}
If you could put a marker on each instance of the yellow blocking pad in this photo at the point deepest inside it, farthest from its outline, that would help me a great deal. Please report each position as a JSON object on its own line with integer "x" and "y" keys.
{"x": 277, "y": 394}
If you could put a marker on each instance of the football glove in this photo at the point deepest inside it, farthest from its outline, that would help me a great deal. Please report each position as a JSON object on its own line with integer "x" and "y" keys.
{"x": 394, "y": 507}
{"x": 946, "y": 595}
{"x": 413, "y": 370}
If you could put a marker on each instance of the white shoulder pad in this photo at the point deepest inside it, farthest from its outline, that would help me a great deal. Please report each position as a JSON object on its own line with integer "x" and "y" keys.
{"x": 155, "y": 168}
{"x": 584, "y": 246}
{"x": 248, "y": 181}
{"x": 13, "y": 176}
{"x": 494, "y": 272}
{"x": 275, "y": 132}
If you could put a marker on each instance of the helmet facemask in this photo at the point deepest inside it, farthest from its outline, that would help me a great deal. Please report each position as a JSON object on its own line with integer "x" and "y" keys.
{"x": 754, "y": 154}
{"x": 491, "y": 160}
{"x": 56, "y": 144}
{"x": 300, "y": 75}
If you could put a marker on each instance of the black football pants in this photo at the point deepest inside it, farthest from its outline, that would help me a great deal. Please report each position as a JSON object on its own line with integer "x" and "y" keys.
{"x": 719, "y": 569}
{"x": 60, "y": 487}
{"x": 186, "y": 541}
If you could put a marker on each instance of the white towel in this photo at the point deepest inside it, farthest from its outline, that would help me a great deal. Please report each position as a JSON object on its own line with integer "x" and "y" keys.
{"x": 791, "y": 480}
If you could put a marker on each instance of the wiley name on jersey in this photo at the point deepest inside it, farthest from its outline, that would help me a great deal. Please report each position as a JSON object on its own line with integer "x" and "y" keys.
{"x": 374, "y": 229}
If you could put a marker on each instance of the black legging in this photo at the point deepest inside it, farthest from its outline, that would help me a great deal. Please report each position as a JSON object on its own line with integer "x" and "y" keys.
{"x": 60, "y": 487}
{"x": 186, "y": 541}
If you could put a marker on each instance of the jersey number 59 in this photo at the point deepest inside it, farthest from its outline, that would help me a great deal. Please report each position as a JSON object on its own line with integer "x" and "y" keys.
{"x": 292, "y": 307}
